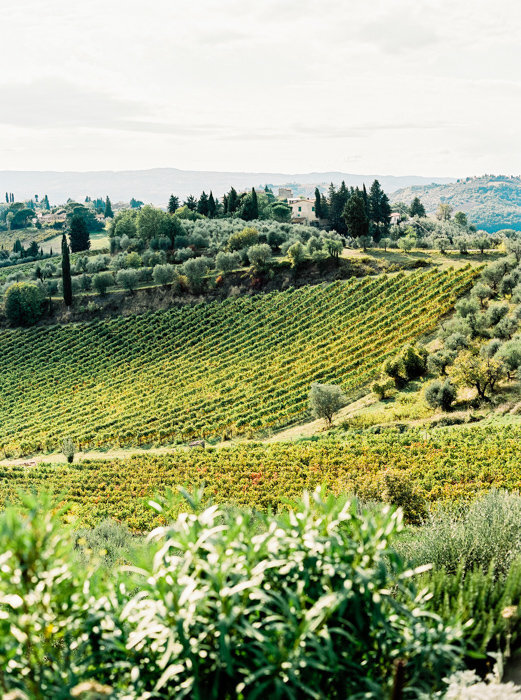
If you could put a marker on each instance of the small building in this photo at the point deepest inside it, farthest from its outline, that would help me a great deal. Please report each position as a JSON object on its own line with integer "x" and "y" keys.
{"x": 395, "y": 218}
{"x": 302, "y": 210}
{"x": 285, "y": 193}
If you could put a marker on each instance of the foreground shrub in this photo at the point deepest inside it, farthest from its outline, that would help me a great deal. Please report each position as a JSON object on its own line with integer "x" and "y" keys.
{"x": 483, "y": 534}
{"x": 312, "y": 603}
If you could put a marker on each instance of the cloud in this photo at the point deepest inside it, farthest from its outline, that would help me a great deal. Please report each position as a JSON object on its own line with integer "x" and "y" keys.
{"x": 57, "y": 103}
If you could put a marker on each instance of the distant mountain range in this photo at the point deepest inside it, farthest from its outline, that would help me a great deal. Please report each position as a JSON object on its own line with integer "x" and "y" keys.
{"x": 155, "y": 186}
{"x": 491, "y": 202}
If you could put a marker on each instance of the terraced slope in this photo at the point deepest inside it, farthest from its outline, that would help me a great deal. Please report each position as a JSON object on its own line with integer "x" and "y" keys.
{"x": 446, "y": 463}
{"x": 241, "y": 365}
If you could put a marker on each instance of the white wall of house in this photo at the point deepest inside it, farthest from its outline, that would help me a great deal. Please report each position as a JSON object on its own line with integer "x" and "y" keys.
{"x": 303, "y": 209}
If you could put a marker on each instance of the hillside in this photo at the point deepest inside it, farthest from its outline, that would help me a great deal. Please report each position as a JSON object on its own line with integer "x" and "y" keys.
{"x": 232, "y": 367}
{"x": 492, "y": 203}
{"x": 154, "y": 186}
{"x": 446, "y": 463}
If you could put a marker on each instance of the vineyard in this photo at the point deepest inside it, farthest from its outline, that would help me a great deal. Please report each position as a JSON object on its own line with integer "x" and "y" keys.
{"x": 235, "y": 367}
{"x": 446, "y": 463}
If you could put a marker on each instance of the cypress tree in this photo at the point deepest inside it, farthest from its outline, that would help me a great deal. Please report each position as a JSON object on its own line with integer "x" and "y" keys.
{"x": 233, "y": 201}
{"x": 79, "y": 234}
{"x": 191, "y": 202}
{"x": 173, "y": 204}
{"x": 212, "y": 207}
{"x": 417, "y": 208}
{"x": 109, "y": 214}
{"x": 355, "y": 216}
{"x": 66, "y": 273}
{"x": 202, "y": 207}
{"x": 318, "y": 204}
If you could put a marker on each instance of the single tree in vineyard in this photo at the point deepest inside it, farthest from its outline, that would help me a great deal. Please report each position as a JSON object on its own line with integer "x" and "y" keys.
{"x": 173, "y": 204}
{"x": 79, "y": 235}
{"x": 325, "y": 400}
{"x": 66, "y": 272}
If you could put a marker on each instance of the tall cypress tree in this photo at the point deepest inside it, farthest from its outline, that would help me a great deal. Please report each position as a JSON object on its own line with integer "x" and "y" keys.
{"x": 173, "y": 204}
{"x": 212, "y": 207}
{"x": 233, "y": 201}
{"x": 318, "y": 204}
{"x": 250, "y": 208}
{"x": 355, "y": 216}
{"x": 109, "y": 214}
{"x": 79, "y": 234}
{"x": 379, "y": 211}
{"x": 202, "y": 206}
{"x": 66, "y": 273}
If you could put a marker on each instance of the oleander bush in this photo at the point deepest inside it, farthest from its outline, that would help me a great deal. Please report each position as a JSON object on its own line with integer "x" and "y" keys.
{"x": 314, "y": 603}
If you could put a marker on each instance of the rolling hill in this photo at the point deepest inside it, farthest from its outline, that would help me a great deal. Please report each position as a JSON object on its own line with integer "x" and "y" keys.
{"x": 222, "y": 368}
{"x": 491, "y": 202}
{"x": 154, "y": 186}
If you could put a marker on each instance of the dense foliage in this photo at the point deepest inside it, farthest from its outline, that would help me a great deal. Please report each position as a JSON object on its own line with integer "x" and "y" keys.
{"x": 311, "y": 603}
{"x": 409, "y": 470}
{"x": 237, "y": 366}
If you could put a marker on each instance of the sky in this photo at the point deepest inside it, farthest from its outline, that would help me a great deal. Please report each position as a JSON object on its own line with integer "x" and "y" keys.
{"x": 399, "y": 87}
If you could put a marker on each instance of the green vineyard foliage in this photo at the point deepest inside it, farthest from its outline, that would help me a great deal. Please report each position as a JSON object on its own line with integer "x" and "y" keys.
{"x": 443, "y": 464}
{"x": 237, "y": 366}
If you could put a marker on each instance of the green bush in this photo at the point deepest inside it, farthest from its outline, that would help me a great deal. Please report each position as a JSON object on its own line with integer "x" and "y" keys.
{"x": 311, "y": 603}
{"x": 24, "y": 304}
{"x": 440, "y": 394}
{"x": 483, "y": 534}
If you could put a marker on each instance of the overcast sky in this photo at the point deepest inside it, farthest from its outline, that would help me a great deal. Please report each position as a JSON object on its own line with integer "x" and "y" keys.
{"x": 425, "y": 87}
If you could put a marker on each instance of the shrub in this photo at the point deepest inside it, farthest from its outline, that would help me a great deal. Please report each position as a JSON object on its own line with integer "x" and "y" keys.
{"x": 437, "y": 362}
{"x": 243, "y": 239}
{"x": 23, "y": 303}
{"x": 325, "y": 400}
{"x": 393, "y": 368}
{"x": 195, "y": 270}
{"x": 225, "y": 606}
{"x": 68, "y": 449}
{"x": 382, "y": 388}
{"x": 484, "y": 534}
{"x": 440, "y": 394}
{"x": 133, "y": 260}
{"x": 414, "y": 361}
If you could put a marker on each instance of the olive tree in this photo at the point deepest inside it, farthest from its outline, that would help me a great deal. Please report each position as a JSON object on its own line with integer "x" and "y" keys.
{"x": 128, "y": 279}
{"x": 226, "y": 262}
{"x": 102, "y": 281}
{"x": 163, "y": 274}
{"x": 325, "y": 400}
{"x": 23, "y": 303}
{"x": 259, "y": 255}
